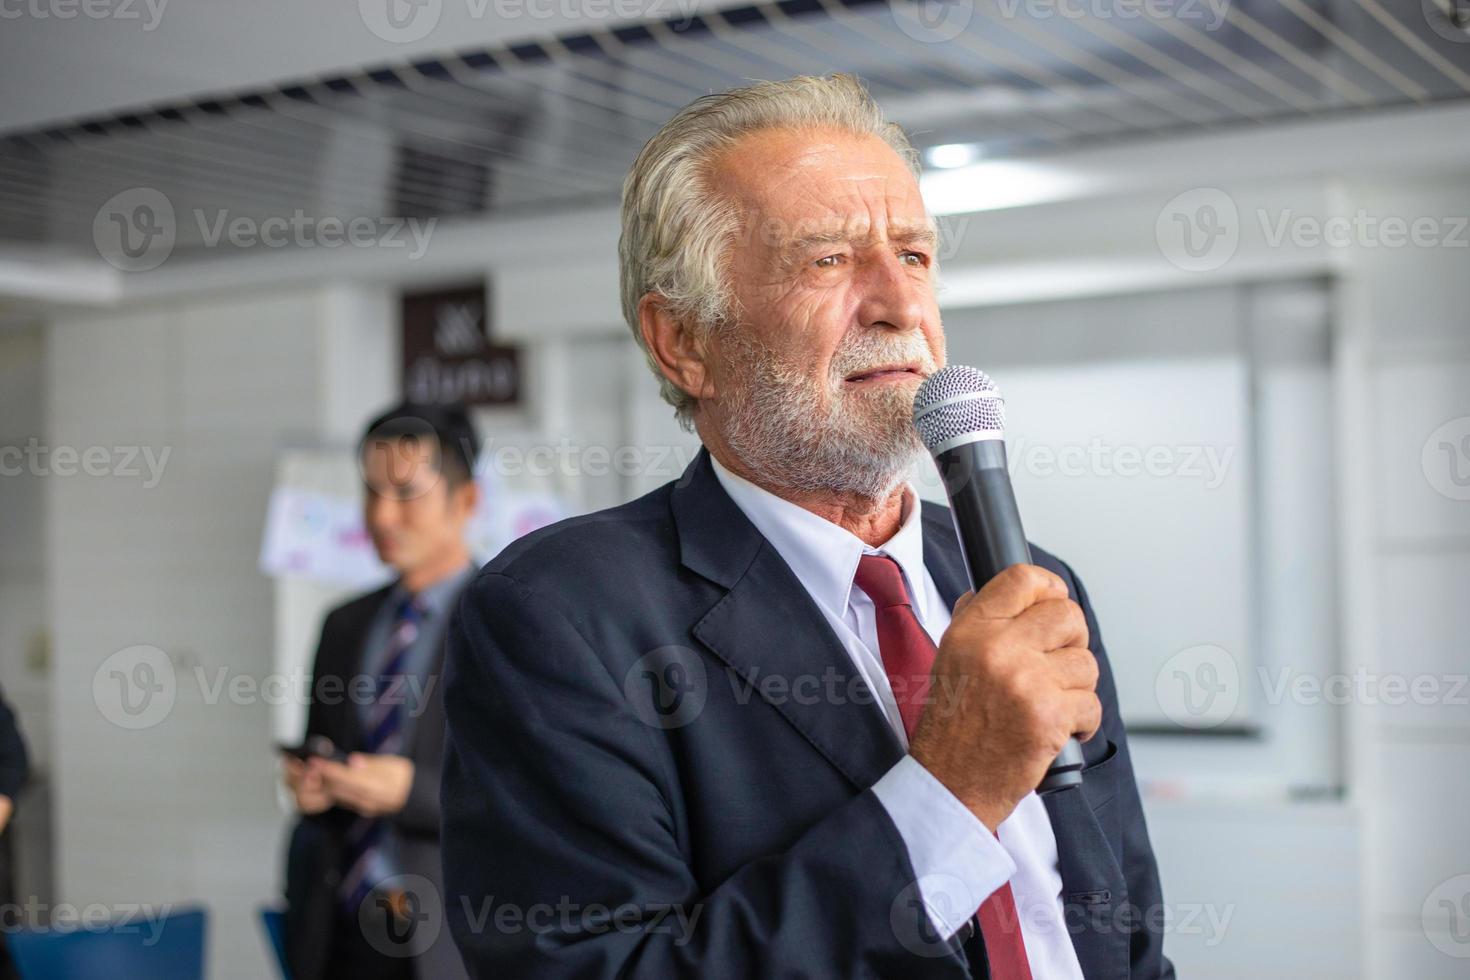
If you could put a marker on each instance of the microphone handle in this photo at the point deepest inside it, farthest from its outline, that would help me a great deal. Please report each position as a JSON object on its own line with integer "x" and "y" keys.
{"x": 983, "y": 503}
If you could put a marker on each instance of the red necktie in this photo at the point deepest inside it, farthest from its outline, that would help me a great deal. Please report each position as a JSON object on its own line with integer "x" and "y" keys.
{"x": 908, "y": 656}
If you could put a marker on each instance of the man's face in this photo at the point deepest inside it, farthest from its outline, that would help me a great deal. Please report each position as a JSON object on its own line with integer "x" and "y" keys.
{"x": 412, "y": 514}
{"x": 835, "y": 322}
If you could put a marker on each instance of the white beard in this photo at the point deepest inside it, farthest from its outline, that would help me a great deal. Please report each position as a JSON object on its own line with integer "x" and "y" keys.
{"x": 790, "y": 433}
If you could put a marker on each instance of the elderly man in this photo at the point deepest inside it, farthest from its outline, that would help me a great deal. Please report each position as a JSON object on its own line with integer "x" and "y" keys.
{"x": 688, "y": 736}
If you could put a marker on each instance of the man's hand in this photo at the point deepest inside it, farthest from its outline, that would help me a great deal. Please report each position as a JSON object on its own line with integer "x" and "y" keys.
{"x": 1012, "y": 681}
{"x": 306, "y": 786}
{"x": 7, "y": 807}
{"x": 371, "y": 785}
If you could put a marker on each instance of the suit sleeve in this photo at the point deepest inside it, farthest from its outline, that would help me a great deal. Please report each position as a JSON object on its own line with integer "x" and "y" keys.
{"x": 319, "y": 709}
{"x": 14, "y": 760}
{"x": 1140, "y": 869}
{"x": 315, "y": 709}
{"x": 420, "y": 813}
{"x": 563, "y": 854}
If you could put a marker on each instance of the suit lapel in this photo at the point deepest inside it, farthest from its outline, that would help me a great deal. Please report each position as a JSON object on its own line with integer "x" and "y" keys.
{"x": 942, "y": 554}
{"x": 1092, "y": 882}
{"x": 768, "y": 626}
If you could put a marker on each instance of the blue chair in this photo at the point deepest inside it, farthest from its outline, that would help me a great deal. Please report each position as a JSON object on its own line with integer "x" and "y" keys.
{"x": 170, "y": 949}
{"x": 274, "y": 923}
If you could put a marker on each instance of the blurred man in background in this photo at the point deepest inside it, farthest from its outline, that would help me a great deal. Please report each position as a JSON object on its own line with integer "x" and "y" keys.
{"x": 14, "y": 769}
{"x": 364, "y": 860}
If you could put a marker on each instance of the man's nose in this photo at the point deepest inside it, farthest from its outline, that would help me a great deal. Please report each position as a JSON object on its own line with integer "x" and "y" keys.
{"x": 894, "y": 297}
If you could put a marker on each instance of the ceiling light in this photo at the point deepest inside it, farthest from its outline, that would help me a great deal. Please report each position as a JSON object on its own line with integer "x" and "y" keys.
{"x": 947, "y": 156}
{"x": 1001, "y": 184}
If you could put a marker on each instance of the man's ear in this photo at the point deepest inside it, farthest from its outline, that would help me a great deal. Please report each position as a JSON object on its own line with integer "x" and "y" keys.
{"x": 675, "y": 348}
{"x": 466, "y": 497}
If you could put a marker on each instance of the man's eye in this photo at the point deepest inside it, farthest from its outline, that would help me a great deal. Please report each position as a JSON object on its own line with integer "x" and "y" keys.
{"x": 828, "y": 261}
{"x": 915, "y": 258}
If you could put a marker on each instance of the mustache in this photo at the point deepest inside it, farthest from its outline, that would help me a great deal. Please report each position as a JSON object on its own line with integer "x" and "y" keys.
{"x": 864, "y": 352}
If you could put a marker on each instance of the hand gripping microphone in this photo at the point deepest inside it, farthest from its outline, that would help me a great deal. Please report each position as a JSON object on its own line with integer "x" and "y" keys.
{"x": 961, "y": 419}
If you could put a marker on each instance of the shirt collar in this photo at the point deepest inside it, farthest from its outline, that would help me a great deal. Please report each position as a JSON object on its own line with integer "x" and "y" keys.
{"x": 823, "y": 555}
{"x": 436, "y": 598}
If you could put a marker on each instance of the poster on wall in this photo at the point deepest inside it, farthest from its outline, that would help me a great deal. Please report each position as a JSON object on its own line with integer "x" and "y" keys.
{"x": 314, "y": 531}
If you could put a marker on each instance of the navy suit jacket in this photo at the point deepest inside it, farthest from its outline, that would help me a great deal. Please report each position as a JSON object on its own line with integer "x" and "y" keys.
{"x": 315, "y": 851}
{"x": 647, "y": 711}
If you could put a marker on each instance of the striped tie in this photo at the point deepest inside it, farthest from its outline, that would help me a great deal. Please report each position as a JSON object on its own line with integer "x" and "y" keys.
{"x": 366, "y": 859}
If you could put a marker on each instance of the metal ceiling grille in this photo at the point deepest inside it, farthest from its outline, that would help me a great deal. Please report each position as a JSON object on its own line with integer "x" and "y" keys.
{"x": 555, "y": 124}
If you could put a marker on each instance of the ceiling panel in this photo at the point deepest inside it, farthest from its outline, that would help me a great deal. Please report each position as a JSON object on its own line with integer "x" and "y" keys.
{"x": 551, "y": 125}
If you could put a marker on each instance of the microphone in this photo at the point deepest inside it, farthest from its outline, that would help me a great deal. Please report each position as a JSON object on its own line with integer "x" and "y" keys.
{"x": 961, "y": 420}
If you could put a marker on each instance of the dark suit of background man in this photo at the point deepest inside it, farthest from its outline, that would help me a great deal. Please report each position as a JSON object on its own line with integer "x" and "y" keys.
{"x": 363, "y": 866}
{"x": 747, "y": 726}
{"x": 14, "y": 769}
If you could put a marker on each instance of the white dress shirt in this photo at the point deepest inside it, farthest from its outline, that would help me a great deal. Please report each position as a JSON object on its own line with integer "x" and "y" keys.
{"x": 957, "y": 860}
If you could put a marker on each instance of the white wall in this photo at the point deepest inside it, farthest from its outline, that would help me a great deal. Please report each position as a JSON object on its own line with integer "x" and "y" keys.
{"x": 24, "y": 629}
{"x": 183, "y": 809}
{"x": 1406, "y": 550}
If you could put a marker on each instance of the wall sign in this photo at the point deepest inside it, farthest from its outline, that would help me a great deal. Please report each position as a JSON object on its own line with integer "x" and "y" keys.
{"x": 447, "y": 354}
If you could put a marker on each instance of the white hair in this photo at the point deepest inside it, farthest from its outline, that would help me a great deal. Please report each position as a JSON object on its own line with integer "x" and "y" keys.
{"x": 676, "y": 230}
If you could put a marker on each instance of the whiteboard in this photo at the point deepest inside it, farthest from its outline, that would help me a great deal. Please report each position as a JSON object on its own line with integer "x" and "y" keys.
{"x": 1129, "y": 438}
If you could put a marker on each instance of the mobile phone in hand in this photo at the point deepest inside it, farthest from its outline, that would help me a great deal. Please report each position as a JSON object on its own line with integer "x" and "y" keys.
{"x": 315, "y": 747}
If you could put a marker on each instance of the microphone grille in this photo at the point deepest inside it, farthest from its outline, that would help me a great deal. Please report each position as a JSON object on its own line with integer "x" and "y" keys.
{"x": 958, "y": 404}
